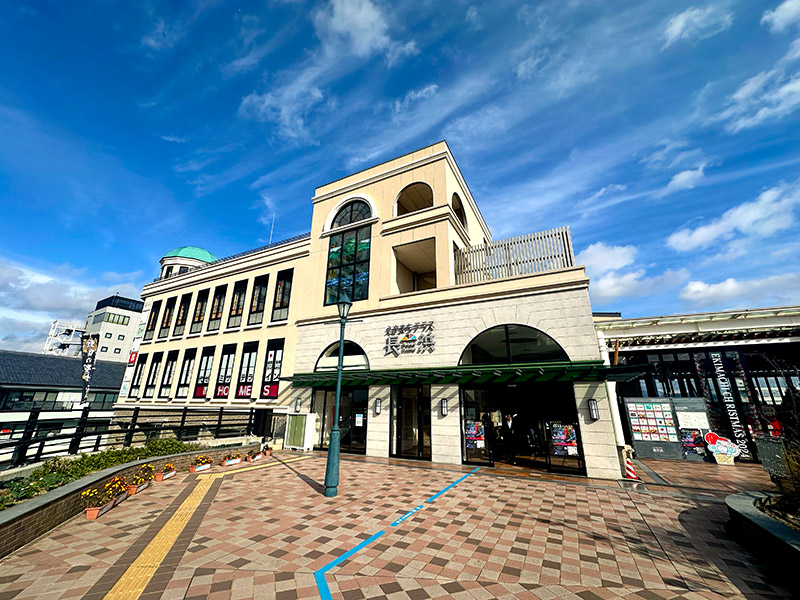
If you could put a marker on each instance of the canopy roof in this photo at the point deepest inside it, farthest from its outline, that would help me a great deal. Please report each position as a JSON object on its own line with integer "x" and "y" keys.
{"x": 192, "y": 252}
{"x": 529, "y": 372}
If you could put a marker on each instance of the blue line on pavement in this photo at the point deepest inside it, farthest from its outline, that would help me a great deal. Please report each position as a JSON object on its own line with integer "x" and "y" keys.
{"x": 405, "y": 516}
{"x": 319, "y": 574}
{"x": 439, "y": 493}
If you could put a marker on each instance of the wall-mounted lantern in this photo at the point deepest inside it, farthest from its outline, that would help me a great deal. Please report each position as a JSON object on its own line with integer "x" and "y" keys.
{"x": 377, "y": 406}
{"x": 444, "y": 407}
{"x": 297, "y": 405}
{"x": 594, "y": 410}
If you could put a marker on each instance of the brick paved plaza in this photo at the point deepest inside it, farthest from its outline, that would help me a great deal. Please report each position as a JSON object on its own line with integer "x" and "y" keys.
{"x": 262, "y": 533}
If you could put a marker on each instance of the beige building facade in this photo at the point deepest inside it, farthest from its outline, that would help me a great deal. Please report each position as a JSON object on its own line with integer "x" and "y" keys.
{"x": 459, "y": 348}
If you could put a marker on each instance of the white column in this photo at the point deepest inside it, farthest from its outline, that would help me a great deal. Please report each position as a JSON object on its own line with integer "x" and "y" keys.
{"x": 599, "y": 444}
{"x": 611, "y": 392}
{"x": 445, "y": 430}
{"x": 378, "y": 424}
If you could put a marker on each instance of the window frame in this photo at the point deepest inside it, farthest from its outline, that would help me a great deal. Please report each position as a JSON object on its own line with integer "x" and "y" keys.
{"x": 227, "y": 361}
{"x": 186, "y": 372}
{"x": 152, "y": 375}
{"x": 236, "y": 310}
{"x": 334, "y": 272}
{"x": 150, "y": 330}
{"x": 217, "y": 308}
{"x": 166, "y": 318}
{"x": 270, "y": 380}
{"x": 258, "y": 300}
{"x": 247, "y": 370}
{"x": 204, "y": 372}
{"x": 201, "y": 306}
{"x": 136, "y": 380}
{"x": 182, "y": 315}
{"x": 282, "y": 297}
{"x": 169, "y": 373}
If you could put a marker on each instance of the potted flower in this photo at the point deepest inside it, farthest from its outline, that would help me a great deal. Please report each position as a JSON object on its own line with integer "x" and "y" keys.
{"x": 231, "y": 459}
{"x": 167, "y": 472}
{"x": 141, "y": 480}
{"x": 201, "y": 463}
{"x": 98, "y": 501}
{"x": 254, "y": 455}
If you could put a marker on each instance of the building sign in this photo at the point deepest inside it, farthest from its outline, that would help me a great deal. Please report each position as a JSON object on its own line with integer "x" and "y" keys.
{"x": 739, "y": 434}
{"x": 272, "y": 369}
{"x": 89, "y": 343}
{"x": 413, "y": 338}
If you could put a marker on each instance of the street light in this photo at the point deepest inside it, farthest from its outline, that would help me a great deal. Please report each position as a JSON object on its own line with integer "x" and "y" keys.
{"x": 332, "y": 468}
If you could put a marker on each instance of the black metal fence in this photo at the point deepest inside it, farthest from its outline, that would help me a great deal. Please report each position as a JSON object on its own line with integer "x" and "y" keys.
{"x": 42, "y": 438}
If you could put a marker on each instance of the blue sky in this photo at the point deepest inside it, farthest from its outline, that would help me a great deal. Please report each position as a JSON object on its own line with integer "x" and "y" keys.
{"x": 664, "y": 133}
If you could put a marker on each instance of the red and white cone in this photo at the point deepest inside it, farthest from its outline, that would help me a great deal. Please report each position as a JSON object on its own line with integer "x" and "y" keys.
{"x": 629, "y": 472}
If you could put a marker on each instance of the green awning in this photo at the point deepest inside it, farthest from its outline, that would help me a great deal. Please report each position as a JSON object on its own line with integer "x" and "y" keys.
{"x": 522, "y": 373}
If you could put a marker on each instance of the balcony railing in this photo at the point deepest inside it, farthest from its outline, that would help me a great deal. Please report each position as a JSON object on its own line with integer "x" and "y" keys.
{"x": 538, "y": 252}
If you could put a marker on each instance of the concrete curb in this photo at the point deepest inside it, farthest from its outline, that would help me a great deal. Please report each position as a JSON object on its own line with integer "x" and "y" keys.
{"x": 770, "y": 540}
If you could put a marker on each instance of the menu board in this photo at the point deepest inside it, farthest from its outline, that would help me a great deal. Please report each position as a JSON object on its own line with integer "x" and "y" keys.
{"x": 652, "y": 421}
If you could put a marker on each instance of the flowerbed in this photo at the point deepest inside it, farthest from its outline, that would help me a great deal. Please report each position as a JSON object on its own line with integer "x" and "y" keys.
{"x": 785, "y": 509}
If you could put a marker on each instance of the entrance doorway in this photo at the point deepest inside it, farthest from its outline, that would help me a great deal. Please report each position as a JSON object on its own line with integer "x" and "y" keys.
{"x": 411, "y": 421}
{"x": 352, "y": 418}
{"x": 542, "y": 433}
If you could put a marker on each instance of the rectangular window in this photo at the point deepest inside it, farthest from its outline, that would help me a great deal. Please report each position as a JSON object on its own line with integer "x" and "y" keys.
{"x": 283, "y": 289}
{"x": 151, "y": 322}
{"x": 138, "y": 372}
{"x": 185, "y": 378}
{"x": 199, "y": 312}
{"x": 108, "y": 335}
{"x": 117, "y": 350}
{"x": 225, "y": 374}
{"x": 272, "y": 369}
{"x": 204, "y": 373}
{"x": 258, "y": 301}
{"x": 215, "y": 318}
{"x": 166, "y": 320}
{"x": 169, "y": 373}
{"x": 120, "y": 337}
{"x": 183, "y": 313}
{"x": 237, "y": 304}
{"x": 152, "y": 375}
{"x": 348, "y": 265}
{"x": 104, "y": 349}
{"x": 247, "y": 370}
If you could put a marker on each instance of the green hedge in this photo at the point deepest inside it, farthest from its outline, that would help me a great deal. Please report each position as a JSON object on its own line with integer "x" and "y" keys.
{"x": 58, "y": 471}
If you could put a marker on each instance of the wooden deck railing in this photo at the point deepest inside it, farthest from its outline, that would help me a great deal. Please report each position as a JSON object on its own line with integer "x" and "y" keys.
{"x": 522, "y": 255}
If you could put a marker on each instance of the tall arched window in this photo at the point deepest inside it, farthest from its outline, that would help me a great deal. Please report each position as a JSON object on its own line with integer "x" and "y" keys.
{"x": 458, "y": 208}
{"x": 348, "y": 254}
{"x": 413, "y": 198}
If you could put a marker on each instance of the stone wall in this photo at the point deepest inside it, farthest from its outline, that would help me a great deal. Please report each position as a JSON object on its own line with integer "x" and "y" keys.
{"x": 23, "y": 523}
{"x": 378, "y": 425}
{"x": 445, "y": 430}
{"x": 599, "y": 444}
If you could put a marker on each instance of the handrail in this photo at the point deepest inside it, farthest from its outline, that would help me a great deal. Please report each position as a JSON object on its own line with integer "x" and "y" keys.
{"x": 537, "y": 252}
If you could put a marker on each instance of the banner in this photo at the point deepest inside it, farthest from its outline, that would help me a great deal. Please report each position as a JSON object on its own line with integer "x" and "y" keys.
{"x": 89, "y": 344}
{"x": 724, "y": 383}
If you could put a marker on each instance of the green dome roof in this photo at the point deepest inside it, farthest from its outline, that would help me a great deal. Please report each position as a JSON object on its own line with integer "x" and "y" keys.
{"x": 192, "y": 252}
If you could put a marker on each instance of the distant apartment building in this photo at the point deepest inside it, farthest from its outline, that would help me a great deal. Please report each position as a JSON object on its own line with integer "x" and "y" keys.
{"x": 114, "y": 319}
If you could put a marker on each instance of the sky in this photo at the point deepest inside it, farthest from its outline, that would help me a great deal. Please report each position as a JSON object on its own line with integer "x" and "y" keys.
{"x": 665, "y": 134}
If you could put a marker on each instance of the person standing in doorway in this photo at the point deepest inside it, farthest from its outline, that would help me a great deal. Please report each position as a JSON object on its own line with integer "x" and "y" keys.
{"x": 509, "y": 434}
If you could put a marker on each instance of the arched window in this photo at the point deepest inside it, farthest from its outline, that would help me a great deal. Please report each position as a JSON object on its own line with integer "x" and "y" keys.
{"x": 348, "y": 254}
{"x": 354, "y": 357}
{"x": 458, "y": 208}
{"x": 413, "y": 198}
{"x": 353, "y": 212}
{"x": 512, "y": 344}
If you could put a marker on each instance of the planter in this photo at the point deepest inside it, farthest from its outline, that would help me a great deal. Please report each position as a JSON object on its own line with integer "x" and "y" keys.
{"x": 198, "y": 468}
{"x": 135, "y": 489}
{"x": 230, "y": 461}
{"x": 96, "y": 511}
{"x": 724, "y": 459}
{"x": 165, "y": 476}
{"x": 258, "y": 456}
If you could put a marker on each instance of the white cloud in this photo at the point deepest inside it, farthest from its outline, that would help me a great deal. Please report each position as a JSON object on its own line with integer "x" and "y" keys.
{"x": 163, "y": 35}
{"x": 474, "y": 18}
{"x": 173, "y": 139}
{"x": 603, "y": 192}
{"x": 527, "y": 68}
{"x": 785, "y": 14}
{"x": 599, "y": 258}
{"x": 775, "y": 290}
{"x": 30, "y": 300}
{"x": 685, "y": 180}
{"x": 696, "y": 24}
{"x": 771, "y": 212}
{"x": 611, "y": 276}
{"x": 767, "y": 96}
{"x": 414, "y": 95}
{"x": 673, "y": 153}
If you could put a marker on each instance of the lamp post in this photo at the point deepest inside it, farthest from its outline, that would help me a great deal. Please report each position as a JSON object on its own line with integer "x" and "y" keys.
{"x": 332, "y": 468}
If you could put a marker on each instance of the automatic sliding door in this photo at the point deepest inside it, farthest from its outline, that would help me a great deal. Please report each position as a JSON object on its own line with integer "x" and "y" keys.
{"x": 411, "y": 422}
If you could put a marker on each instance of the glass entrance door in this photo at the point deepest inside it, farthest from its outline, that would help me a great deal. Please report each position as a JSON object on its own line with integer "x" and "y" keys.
{"x": 411, "y": 422}
{"x": 352, "y": 418}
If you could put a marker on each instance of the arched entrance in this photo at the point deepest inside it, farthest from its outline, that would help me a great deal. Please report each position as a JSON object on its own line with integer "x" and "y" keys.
{"x": 353, "y": 402}
{"x": 533, "y": 425}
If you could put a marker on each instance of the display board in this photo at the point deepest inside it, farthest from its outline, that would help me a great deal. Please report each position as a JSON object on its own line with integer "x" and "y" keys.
{"x": 653, "y": 428}
{"x": 692, "y": 425}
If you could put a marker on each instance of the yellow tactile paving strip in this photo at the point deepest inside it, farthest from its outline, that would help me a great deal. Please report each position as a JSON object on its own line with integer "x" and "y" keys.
{"x": 135, "y": 579}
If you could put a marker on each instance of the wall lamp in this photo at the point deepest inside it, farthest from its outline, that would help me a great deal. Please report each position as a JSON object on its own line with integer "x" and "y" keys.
{"x": 444, "y": 407}
{"x": 594, "y": 410}
{"x": 297, "y": 405}
{"x": 377, "y": 406}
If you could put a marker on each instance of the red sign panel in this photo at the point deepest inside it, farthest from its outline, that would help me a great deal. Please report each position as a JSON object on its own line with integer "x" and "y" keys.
{"x": 245, "y": 390}
{"x": 200, "y": 391}
{"x": 132, "y": 358}
{"x": 222, "y": 391}
{"x": 270, "y": 390}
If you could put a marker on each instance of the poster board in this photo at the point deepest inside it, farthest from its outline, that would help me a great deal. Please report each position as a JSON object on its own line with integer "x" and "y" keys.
{"x": 654, "y": 428}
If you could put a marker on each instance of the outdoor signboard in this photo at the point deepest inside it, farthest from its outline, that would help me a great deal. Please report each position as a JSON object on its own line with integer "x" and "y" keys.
{"x": 653, "y": 428}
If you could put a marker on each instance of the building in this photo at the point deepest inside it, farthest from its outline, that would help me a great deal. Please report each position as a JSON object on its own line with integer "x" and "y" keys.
{"x": 725, "y": 372}
{"x": 450, "y": 333}
{"x": 42, "y": 394}
{"x": 114, "y": 319}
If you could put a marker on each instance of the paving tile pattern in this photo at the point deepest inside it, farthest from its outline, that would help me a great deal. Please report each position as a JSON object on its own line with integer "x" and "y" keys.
{"x": 264, "y": 533}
